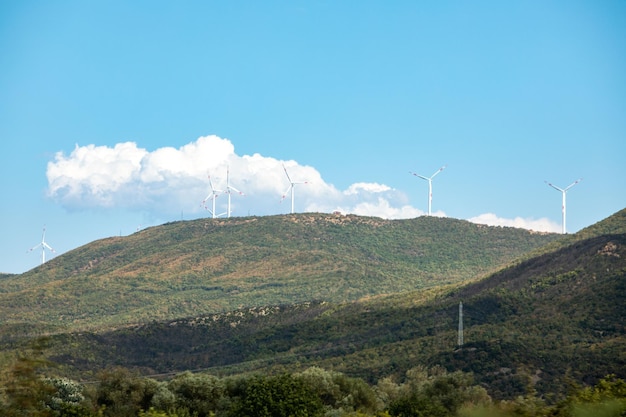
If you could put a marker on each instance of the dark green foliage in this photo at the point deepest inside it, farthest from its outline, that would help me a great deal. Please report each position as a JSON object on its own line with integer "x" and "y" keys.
{"x": 606, "y": 398}
{"x": 123, "y": 394}
{"x": 428, "y": 392}
{"x": 338, "y": 391}
{"x": 200, "y": 394}
{"x": 277, "y": 396}
{"x": 436, "y": 395}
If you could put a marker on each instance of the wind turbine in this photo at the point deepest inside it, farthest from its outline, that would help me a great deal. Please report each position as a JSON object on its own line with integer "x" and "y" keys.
{"x": 43, "y": 245}
{"x": 229, "y": 189}
{"x": 430, "y": 186}
{"x": 292, "y": 186}
{"x": 564, "y": 191}
{"x": 213, "y": 195}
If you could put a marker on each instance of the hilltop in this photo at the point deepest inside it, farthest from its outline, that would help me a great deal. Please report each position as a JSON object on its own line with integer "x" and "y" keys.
{"x": 218, "y": 265}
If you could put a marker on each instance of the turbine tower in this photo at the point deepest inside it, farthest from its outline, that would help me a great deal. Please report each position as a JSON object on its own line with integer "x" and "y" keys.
{"x": 213, "y": 195}
{"x": 292, "y": 185}
{"x": 230, "y": 189}
{"x": 563, "y": 206}
{"x": 43, "y": 245}
{"x": 430, "y": 186}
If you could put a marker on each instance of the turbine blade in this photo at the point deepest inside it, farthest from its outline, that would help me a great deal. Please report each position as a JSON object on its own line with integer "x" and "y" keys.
{"x": 211, "y": 184}
{"x": 34, "y": 247}
{"x": 438, "y": 171}
{"x": 233, "y": 188}
{"x": 287, "y": 174}
{"x": 554, "y": 186}
{"x": 286, "y": 191}
{"x": 573, "y": 184}
{"x": 420, "y": 176}
{"x": 205, "y": 199}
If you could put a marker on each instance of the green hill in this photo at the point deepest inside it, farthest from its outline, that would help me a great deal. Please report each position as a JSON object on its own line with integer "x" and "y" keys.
{"x": 216, "y": 265}
{"x": 544, "y": 323}
{"x": 366, "y": 297}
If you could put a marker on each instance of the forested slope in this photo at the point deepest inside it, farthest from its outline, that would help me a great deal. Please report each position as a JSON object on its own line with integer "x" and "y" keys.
{"x": 544, "y": 323}
{"x": 218, "y": 265}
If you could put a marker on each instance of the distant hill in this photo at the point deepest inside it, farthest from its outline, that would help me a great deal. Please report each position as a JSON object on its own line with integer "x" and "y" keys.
{"x": 217, "y": 265}
{"x": 543, "y": 323}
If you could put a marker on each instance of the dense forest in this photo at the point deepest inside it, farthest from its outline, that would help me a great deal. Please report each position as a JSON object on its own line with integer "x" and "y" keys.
{"x": 117, "y": 392}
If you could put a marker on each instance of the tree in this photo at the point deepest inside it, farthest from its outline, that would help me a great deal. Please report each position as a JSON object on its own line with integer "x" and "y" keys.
{"x": 277, "y": 396}
{"x": 436, "y": 393}
{"x": 198, "y": 393}
{"x": 67, "y": 399}
{"x": 605, "y": 399}
{"x": 123, "y": 394}
{"x": 339, "y": 391}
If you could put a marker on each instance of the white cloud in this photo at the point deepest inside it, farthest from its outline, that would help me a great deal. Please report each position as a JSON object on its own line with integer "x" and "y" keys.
{"x": 382, "y": 208}
{"x": 370, "y": 187}
{"x": 94, "y": 175}
{"x": 539, "y": 225}
{"x": 168, "y": 180}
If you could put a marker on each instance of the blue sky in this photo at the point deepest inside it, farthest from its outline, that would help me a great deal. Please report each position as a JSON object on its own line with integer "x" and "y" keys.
{"x": 114, "y": 113}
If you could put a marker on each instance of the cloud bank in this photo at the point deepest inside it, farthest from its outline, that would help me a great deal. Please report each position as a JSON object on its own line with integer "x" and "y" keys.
{"x": 166, "y": 181}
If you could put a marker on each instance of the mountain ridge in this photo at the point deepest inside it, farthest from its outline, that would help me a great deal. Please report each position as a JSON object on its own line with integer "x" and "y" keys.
{"x": 216, "y": 265}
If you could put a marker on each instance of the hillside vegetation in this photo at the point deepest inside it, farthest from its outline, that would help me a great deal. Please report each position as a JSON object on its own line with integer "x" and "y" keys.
{"x": 218, "y": 265}
{"x": 551, "y": 318}
{"x": 541, "y": 324}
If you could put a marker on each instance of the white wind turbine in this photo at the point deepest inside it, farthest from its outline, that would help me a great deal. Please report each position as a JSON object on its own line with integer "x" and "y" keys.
{"x": 563, "y": 192}
{"x": 230, "y": 189}
{"x": 212, "y": 195}
{"x": 292, "y": 186}
{"x": 43, "y": 245}
{"x": 430, "y": 186}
